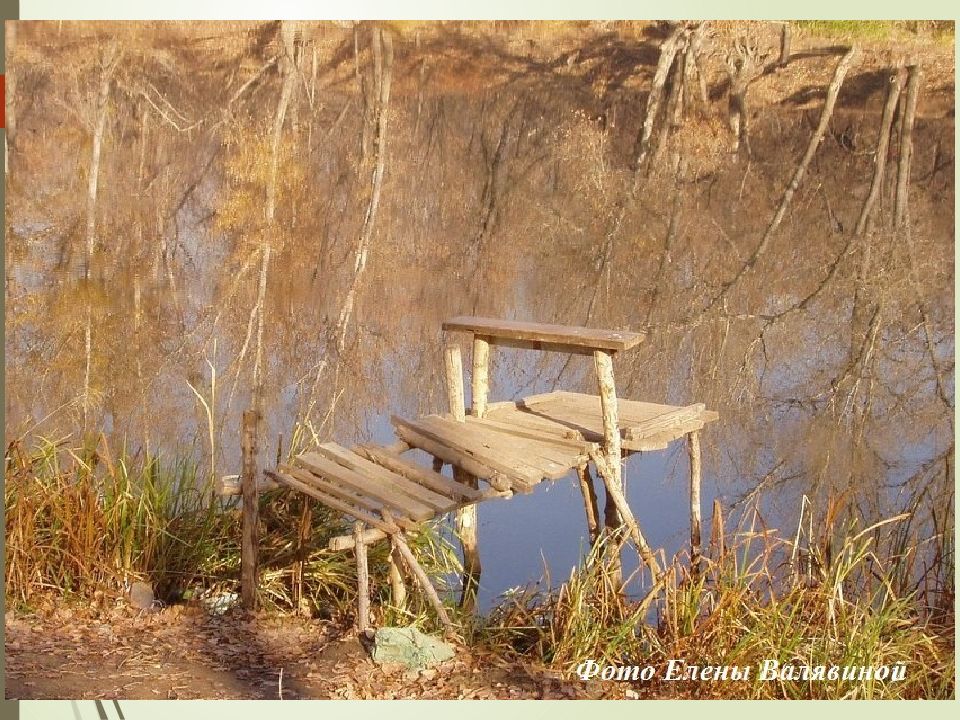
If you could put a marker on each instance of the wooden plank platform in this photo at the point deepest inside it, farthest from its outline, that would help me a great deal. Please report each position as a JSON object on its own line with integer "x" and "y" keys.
{"x": 518, "y": 443}
{"x": 540, "y": 336}
{"x": 566, "y": 415}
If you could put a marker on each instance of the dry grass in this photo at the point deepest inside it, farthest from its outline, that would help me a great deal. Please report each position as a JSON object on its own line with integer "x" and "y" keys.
{"x": 764, "y": 598}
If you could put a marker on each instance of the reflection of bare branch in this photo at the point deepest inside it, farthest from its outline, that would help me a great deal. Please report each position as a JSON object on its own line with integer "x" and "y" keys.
{"x": 832, "y": 92}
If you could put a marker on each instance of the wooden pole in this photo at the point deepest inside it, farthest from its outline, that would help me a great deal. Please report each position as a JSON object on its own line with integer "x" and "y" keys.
{"x": 626, "y": 515}
{"x": 612, "y": 475}
{"x": 466, "y": 517}
{"x": 481, "y": 375}
{"x": 363, "y": 579}
{"x": 693, "y": 439}
{"x": 398, "y": 590}
{"x": 608, "y": 405}
{"x": 421, "y": 577}
{"x": 717, "y": 539}
{"x": 303, "y": 538}
{"x": 589, "y": 503}
{"x": 454, "y": 375}
{"x": 251, "y": 501}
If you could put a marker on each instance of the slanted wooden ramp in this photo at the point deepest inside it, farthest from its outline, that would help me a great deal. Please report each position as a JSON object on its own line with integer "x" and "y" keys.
{"x": 363, "y": 484}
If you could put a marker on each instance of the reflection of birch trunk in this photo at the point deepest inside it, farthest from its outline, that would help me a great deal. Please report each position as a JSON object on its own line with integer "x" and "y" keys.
{"x": 289, "y": 78}
{"x": 93, "y": 177}
{"x": 383, "y": 65}
{"x": 880, "y": 158}
{"x": 668, "y": 51}
{"x": 382, "y": 44}
{"x": 906, "y": 144}
{"x": 11, "y": 77}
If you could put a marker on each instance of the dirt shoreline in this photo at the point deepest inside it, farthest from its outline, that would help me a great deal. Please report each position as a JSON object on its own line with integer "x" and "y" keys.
{"x": 181, "y": 653}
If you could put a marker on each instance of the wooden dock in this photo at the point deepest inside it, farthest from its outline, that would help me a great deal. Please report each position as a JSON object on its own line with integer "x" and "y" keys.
{"x": 509, "y": 447}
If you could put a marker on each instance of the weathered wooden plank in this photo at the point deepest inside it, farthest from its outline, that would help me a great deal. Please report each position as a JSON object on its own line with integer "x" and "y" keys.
{"x": 334, "y": 502}
{"x": 479, "y": 464}
{"x": 418, "y": 474}
{"x": 572, "y": 405}
{"x": 541, "y": 346}
{"x": 406, "y": 505}
{"x": 545, "y": 333}
{"x": 539, "y": 434}
{"x": 522, "y": 456}
{"x": 524, "y": 443}
{"x": 636, "y": 420}
{"x": 361, "y": 465}
{"x": 344, "y": 494}
{"x": 665, "y": 422}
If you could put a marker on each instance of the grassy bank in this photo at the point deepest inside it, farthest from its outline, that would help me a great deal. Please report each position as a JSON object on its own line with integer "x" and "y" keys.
{"x": 844, "y": 603}
{"x": 81, "y": 520}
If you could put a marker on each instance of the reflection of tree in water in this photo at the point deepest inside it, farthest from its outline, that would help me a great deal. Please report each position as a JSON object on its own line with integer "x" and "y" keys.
{"x": 496, "y": 178}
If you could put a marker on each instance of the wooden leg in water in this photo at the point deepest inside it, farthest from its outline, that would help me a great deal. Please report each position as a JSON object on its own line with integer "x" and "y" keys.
{"x": 466, "y": 526}
{"x": 437, "y": 465}
{"x": 693, "y": 440}
{"x": 612, "y": 477}
{"x": 363, "y": 581}
{"x": 398, "y": 591}
{"x": 626, "y": 515}
{"x": 611, "y": 523}
{"x": 589, "y": 503}
{"x": 466, "y": 517}
{"x": 716, "y": 531}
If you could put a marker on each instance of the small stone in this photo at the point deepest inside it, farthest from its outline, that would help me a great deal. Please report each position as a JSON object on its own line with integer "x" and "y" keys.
{"x": 141, "y": 595}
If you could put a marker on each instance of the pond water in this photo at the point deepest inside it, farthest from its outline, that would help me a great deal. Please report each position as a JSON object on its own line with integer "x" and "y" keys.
{"x": 509, "y": 190}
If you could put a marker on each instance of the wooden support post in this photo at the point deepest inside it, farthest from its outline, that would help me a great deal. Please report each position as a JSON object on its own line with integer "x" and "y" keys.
{"x": 251, "y": 503}
{"x": 717, "y": 540}
{"x": 480, "y": 380}
{"x": 437, "y": 464}
{"x": 589, "y": 502}
{"x": 454, "y": 374}
{"x": 466, "y": 526}
{"x": 466, "y": 517}
{"x": 363, "y": 580}
{"x": 693, "y": 440}
{"x": 398, "y": 591}
{"x": 608, "y": 405}
{"x": 421, "y": 577}
{"x": 611, "y": 452}
{"x": 626, "y": 515}
{"x": 303, "y": 538}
